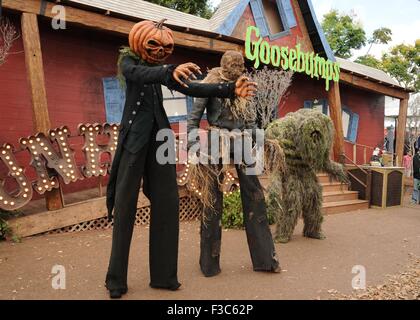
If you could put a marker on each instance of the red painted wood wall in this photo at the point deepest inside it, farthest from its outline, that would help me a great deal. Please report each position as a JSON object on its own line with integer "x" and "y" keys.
{"x": 76, "y": 60}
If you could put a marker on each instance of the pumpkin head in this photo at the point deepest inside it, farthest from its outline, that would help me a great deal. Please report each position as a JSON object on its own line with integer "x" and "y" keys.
{"x": 153, "y": 42}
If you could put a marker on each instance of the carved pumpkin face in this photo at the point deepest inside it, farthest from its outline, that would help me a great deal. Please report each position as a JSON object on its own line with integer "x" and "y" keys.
{"x": 153, "y": 42}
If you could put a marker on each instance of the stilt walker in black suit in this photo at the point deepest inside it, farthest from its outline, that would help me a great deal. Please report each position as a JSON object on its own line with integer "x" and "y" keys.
{"x": 141, "y": 65}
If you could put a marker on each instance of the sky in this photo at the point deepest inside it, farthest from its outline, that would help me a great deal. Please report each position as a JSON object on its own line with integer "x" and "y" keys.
{"x": 402, "y": 17}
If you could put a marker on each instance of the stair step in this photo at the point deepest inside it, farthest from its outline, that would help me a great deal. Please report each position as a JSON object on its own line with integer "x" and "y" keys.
{"x": 323, "y": 178}
{"x": 336, "y": 196}
{"x": 344, "y": 206}
{"x": 334, "y": 186}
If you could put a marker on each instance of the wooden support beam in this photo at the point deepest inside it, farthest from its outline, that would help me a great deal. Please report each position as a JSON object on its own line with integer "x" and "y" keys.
{"x": 366, "y": 83}
{"x": 401, "y": 128}
{"x": 337, "y": 118}
{"x": 35, "y": 72}
{"x": 36, "y": 82}
{"x": 118, "y": 26}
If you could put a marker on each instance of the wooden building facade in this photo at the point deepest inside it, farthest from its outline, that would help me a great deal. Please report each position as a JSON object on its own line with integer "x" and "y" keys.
{"x": 67, "y": 77}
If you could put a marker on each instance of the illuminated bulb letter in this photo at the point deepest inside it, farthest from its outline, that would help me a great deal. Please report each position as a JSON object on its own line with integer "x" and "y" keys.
{"x": 93, "y": 150}
{"x": 45, "y": 156}
{"x": 23, "y": 194}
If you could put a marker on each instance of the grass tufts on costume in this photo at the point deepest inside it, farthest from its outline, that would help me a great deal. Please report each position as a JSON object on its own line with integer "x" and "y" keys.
{"x": 306, "y": 138}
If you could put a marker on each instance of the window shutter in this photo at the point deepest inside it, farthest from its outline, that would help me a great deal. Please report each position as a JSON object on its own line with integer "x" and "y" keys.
{"x": 259, "y": 17}
{"x": 290, "y": 15}
{"x": 308, "y": 104}
{"x": 114, "y": 99}
{"x": 354, "y": 126}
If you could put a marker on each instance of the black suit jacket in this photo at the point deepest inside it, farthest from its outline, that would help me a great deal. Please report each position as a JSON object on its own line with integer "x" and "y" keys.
{"x": 416, "y": 166}
{"x": 144, "y": 107}
{"x": 144, "y": 100}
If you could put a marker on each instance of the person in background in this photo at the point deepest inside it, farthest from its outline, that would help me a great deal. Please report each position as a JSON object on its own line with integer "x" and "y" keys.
{"x": 416, "y": 175}
{"x": 408, "y": 164}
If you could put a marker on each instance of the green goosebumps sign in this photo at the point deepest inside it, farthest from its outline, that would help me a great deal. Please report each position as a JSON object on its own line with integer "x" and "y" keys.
{"x": 294, "y": 59}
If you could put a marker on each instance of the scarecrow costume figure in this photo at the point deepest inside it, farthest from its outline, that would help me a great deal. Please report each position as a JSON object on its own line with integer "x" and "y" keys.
{"x": 227, "y": 114}
{"x": 306, "y": 138}
{"x": 135, "y": 159}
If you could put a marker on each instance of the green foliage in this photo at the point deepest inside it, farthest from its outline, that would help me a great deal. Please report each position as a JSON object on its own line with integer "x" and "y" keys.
{"x": 381, "y": 36}
{"x": 4, "y": 226}
{"x": 370, "y": 61}
{"x": 5, "y": 230}
{"x": 233, "y": 217}
{"x": 199, "y": 8}
{"x": 343, "y": 33}
{"x": 403, "y": 63}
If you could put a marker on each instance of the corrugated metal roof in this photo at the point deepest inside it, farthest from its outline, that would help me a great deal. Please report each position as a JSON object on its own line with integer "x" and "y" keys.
{"x": 367, "y": 71}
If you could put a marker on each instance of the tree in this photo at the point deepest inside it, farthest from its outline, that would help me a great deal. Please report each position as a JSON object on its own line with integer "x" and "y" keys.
{"x": 200, "y": 8}
{"x": 370, "y": 61}
{"x": 380, "y": 36}
{"x": 403, "y": 63}
{"x": 343, "y": 33}
{"x": 8, "y": 35}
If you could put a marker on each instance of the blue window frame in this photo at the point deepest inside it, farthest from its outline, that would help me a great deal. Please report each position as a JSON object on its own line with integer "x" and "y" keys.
{"x": 285, "y": 15}
{"x": 350, "y": 119}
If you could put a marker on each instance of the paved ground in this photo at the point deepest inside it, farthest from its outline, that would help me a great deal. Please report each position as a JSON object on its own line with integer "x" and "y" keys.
{"x": 381, "y": 241}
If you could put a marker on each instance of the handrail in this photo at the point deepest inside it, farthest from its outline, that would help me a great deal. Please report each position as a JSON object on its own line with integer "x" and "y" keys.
{"x": 369, "y": 147}
{"x": 355, "y": 164}
{"x": 368, "y": 184}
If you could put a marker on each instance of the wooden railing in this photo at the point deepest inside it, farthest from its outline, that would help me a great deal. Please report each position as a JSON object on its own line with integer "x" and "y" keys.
{"x": 368, "y": 184}
{"x": 367, "y": 153}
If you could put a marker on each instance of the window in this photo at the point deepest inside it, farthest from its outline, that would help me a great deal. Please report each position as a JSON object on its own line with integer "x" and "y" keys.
{"x": 114, "y": 97}
{"x": 272, "y": 15}
{"x": 176, "y": 105}
{"x": 274, "y": 18}
{"x": 349, "y": 118}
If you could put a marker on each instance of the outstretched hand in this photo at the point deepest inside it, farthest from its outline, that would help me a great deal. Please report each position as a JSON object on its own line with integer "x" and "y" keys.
{"x": 184, "y": 71}
{"x": 245, "y": 88}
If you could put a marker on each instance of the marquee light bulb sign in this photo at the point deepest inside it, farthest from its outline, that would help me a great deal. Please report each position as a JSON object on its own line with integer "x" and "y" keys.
{"x": 49, "y": 164}
{"x": 261, "y": 52}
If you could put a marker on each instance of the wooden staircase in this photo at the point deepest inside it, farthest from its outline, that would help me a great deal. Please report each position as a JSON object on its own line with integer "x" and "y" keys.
{"x": 337, "y": 198}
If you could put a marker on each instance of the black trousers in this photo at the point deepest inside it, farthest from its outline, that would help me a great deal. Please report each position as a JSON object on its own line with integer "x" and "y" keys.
{"x": 162, "y": 191}
{"x": 260, "y": 241}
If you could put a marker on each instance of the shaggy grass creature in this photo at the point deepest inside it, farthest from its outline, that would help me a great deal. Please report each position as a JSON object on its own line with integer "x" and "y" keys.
{"x": 306, "y": 138}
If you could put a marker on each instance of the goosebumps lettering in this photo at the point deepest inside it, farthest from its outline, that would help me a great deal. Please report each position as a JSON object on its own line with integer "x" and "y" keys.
{"x": 294, "y": 59}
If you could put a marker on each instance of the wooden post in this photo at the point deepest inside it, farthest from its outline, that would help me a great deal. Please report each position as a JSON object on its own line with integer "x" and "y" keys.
{"x": 402, "y": 121}
{"x": 336, "y": 116}
{"x": 364, "y": 156}
{"x": 36, "y": 82}
{"x": 369, "y": 186}
{"x": 355, "y": 153}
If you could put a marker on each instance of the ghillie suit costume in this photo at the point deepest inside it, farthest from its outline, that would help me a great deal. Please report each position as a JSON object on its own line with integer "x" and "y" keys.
{"x": 306, "y": 137}
{"x": 144, "y": 73}
{"x": 225, "y": 115}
